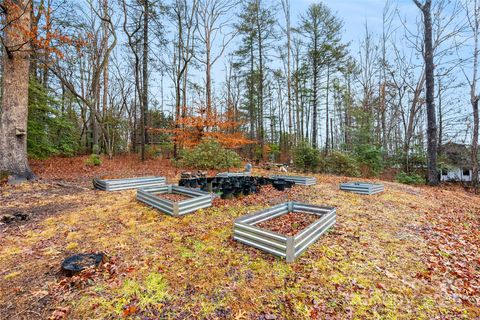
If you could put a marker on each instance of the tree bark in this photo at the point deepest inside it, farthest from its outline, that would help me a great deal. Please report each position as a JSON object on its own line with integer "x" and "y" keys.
{"x": 14, "y": 109}
{"x": 286, "y": 8}
{"x": 327, "y": 113}
{"x": 432, "y": 175}
{"x": 474, "y": 97}
{"x": 475, "y": 143}
{"x": 314, "y": 100}
{"x": 144, "y": 124}
{"x": 261, "y": 131}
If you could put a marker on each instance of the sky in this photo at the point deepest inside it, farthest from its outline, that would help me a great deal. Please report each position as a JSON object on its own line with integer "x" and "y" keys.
{"x": 353, "y": 13}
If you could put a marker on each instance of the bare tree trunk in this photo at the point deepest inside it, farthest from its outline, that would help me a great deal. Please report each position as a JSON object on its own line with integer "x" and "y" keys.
{"x": 475, "y": 143}
{"x": 314, "y": 103}
{"x": 286, "y": 9}
{"x": 261, "y": 130}
{"x": 251, "y": 108}
{"x": 208, "y": 77}
{"x": 144, "y": 123}
{"x": 474, "y": 21}
{"x": 14, "y": 109}
{"x": 432, "y": 176}
{"x": 105, "y": 75}
{"x": 327, "y": 114}
{"x": 440, "y": 115}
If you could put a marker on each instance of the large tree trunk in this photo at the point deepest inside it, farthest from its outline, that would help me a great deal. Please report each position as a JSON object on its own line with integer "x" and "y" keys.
{"x": 432, "y": 175}
{"x": 474, "y": 97}
{"x": 475, "y": 143}
{"x": 14, "y": 109}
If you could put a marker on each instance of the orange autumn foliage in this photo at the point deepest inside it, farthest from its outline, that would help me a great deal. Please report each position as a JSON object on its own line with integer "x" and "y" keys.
{"x": 41, "y": 36}
{"x": 190, "y": 130}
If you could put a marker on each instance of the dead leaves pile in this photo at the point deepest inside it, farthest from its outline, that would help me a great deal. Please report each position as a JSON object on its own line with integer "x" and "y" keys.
{"x": 453, "y": 232}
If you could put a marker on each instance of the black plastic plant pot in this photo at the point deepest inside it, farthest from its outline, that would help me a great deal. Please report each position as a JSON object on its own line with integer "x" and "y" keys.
{"x": 79, "y": 262}
{"x": 183, "y": 183}
{"x": 208, "y": 187}
{"x": 289, "y": 184}
{"x": 193, "y": 183}
{"x": 227, "y": 193}
{"x": 279, "y": 185}
{"x": 271, "y": 181}
{"x": 202, "y": 183}
{"x": 247, "y": 190}
{"x": 238, "y": 192}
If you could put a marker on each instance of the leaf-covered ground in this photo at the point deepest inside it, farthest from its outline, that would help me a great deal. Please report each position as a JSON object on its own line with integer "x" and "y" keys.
{"x": 408, "y": 253}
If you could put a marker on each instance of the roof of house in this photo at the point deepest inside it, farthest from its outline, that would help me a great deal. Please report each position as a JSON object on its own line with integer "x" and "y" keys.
{"x": 456, "y": 154}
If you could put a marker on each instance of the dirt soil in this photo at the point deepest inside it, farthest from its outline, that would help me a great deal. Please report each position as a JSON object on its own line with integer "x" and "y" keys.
{"x": 289, "y": 224}
{"x": 406, "y": 253}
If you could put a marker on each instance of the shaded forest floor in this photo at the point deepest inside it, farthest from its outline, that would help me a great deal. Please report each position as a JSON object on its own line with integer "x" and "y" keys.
{"x": 408, "y": 253}
{"x": 74, "y": 170}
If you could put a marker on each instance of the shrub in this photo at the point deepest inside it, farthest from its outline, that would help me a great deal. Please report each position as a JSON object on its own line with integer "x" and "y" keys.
{"x": 4, "y": 176}
{"x": 93, "y": 160}
{"x": 152, "y": 151}
{"x": 209, "y": 154}
{"x": 370, "y": 157}
{"x": 340, "y": 163}
{"x": 274, "y": 152}
{"x": 306, "y": 158}
{"x": 411, "y": 178}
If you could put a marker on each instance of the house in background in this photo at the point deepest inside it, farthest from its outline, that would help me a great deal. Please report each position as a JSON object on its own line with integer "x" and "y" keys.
{"x": 457, "y": 163}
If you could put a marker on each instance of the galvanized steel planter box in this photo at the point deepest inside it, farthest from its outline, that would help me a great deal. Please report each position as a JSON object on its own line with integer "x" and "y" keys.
{"x": 128, "y": 183}
{"x": 362, "y": 187}
{"x": 288, "y": 247}
{"x": 153, "y": 197}
{"x": 304, "y": 181}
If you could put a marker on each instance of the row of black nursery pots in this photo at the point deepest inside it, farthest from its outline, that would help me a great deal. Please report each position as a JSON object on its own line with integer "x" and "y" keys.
{"x": 230, "y": 187}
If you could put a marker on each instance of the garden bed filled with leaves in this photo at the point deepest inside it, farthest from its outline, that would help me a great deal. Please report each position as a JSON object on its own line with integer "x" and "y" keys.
{"x": 289, "y": 224}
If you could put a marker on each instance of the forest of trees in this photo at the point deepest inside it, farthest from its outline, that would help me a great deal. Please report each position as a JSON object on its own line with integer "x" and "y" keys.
{"x": 117, "y": 76}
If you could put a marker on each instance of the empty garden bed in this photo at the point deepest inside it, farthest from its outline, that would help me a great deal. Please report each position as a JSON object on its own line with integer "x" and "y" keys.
{"x": 127, "y": 183}
{"x": 362, "y": 187}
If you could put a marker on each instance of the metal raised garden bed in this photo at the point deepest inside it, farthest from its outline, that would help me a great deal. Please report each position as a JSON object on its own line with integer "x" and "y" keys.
{"x": 304, "y": 181}
{"x": 128, "y": 183}
{"x": 234, "y": 174}
{"x": 362, "y": 187}
{"x": 288, "y": 247}
{"x": 153, "y": 197}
